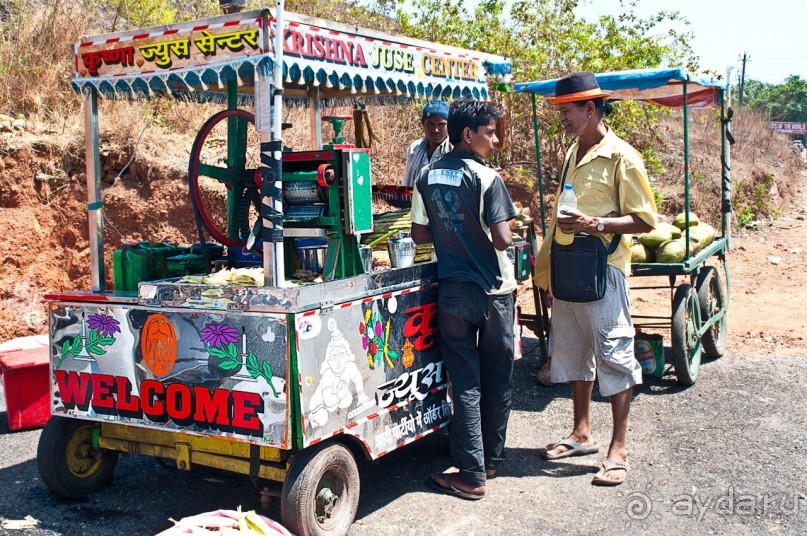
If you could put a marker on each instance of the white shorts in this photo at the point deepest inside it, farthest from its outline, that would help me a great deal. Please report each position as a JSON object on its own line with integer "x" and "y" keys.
{"x": 595, "y": 339}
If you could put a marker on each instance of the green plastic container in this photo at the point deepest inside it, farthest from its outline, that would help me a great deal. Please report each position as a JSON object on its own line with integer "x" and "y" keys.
{"x": 142, "y": 262}
{"x": 185, "y": 264}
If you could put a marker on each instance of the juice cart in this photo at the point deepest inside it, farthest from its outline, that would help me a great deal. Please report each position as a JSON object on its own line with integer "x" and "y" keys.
{"x": 263, "y": 374}
{"x": 699, "y": 301}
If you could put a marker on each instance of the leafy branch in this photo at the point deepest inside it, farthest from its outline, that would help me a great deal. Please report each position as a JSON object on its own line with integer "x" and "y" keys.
{"x": 72, "y": 347}
{"x": 230, "y": 361}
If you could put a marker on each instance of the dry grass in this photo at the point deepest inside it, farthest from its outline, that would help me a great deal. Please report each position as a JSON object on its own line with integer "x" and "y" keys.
{"x": 35, "y": 49}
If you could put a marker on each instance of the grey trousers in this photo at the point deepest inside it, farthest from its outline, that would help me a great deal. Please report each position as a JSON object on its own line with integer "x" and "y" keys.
{"x": 476, "y": 343}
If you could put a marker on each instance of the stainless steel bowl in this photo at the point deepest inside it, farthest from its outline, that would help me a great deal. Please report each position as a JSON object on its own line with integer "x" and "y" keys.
{"x": 401, "y": 250}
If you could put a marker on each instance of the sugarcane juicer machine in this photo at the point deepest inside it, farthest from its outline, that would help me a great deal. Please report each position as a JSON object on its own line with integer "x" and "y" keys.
{"x": 327, "y": 195}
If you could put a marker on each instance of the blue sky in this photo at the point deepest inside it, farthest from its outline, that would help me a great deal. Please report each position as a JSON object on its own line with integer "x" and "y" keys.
{"x": 771, "y": 32}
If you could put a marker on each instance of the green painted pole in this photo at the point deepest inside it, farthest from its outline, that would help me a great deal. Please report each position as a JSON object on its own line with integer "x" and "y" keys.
{"x": 540, "y": 173}
{"x": 233, "y": 196}
{"x": 686, "y": 168}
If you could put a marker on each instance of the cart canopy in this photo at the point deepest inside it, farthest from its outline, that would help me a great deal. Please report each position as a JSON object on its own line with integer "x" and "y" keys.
{"x": 664, "y": 87}
{"x": 195, "y": 60}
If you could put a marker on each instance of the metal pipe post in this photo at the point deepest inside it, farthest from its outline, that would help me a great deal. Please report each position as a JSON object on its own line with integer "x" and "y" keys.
{"x": 315, "y": 117}
{"x": 95, "y": 209}
{"x": 271, "y": 167}
{"x": 725, "y": 163}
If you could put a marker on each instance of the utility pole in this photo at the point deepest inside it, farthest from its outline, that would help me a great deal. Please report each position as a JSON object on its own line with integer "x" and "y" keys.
{"x": 744, "y": 59}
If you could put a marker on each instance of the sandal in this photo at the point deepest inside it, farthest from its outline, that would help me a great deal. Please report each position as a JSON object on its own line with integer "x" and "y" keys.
{"x": 610, "y": 465}
{"x": 449, "y": 489}
{"x": 574, "y": 449}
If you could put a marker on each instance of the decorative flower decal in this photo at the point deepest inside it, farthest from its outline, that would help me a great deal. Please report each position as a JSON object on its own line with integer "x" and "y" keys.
{"x": 219, "y": 335}
{"x": 221, "y": 340}
{"x": 106, "y": 326}
{"x": 102, "y": 333}
{"x": 375, "y": 340}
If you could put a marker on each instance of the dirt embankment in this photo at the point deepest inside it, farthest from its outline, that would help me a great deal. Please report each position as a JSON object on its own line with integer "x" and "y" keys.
{"x": 45, "y": 233}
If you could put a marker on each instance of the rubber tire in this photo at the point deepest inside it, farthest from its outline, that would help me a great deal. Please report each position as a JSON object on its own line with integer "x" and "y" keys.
{"x": 51, "y": 458}
{"x": 709, "y": 287}
{"x": 686, "y": 318}
{"x": 299, "y": 496}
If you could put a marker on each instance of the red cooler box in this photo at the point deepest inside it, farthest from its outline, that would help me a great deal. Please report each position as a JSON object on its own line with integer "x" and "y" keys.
{"x": 27, "y": 385}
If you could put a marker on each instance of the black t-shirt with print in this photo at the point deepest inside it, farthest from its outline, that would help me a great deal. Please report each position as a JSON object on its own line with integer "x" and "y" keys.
{"x": 463, "y": 198}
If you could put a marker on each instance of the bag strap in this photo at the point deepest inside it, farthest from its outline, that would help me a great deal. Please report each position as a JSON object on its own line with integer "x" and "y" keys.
{"x": 565, "y": 171}
{"x": 615, "y": 240}
{"x": 614, "y": 244}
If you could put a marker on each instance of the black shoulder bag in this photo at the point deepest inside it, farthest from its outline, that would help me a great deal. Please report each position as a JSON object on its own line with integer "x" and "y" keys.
{"x": 579, "y": 271}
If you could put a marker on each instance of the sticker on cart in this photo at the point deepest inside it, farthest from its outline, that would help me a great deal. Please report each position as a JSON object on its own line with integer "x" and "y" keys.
{"x": 339, "y": 379}
{"x": 308, "y": 327}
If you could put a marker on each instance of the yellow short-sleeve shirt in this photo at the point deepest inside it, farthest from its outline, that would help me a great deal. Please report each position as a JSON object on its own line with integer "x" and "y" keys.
{"x": 609, "y": 181}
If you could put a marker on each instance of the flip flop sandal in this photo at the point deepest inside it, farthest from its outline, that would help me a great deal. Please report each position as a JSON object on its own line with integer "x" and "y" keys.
{"x": 610, "y": 465}
{"x": 574, "y": 449}
{"x": 451, "y": 490}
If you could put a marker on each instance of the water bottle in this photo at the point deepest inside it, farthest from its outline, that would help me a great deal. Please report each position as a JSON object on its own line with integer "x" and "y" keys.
{"x": 566, "y": 201}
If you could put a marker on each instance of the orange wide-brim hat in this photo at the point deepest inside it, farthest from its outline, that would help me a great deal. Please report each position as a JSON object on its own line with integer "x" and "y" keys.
{"x": 577, "y": 87}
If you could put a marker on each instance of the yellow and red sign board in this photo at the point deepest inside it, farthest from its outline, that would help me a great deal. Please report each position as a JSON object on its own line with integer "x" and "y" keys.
{"x": 314, "y": 52}
{"x": 168, "y": 50}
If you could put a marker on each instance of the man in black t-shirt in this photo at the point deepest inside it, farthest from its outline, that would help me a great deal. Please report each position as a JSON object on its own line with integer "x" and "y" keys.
{"x": 462, "y": 206}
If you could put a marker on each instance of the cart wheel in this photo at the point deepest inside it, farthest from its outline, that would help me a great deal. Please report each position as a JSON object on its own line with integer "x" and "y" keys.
{"x": 321, "y": 492}
{"x": 686, "y": 345}
{"x": 68, "y": 465}
{"x": 710, "y": 297}
{"x": 224, "y": 169}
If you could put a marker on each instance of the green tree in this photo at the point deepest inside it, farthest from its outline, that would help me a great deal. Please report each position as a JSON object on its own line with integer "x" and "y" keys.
{"x": 547, "y": 38}
{"x": 783, "y": 102}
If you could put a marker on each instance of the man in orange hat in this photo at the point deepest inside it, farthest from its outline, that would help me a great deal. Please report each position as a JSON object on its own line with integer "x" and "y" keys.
{"x": 595, "y": 339}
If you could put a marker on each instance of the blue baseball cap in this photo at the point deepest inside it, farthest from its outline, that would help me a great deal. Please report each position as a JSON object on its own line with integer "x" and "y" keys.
{"x": 437, "y": 107}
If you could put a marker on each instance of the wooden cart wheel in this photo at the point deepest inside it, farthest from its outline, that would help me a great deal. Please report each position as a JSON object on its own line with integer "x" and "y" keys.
{"x": 686, "y": 345}
{"x": 711, "y": 299}
{"x": 224, "y": 170}
{"x": 321, "y": 492}
{"x": 67, "y": 463}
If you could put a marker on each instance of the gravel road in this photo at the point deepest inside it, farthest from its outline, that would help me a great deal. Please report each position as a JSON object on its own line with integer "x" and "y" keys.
{"x": 725, "y": 456}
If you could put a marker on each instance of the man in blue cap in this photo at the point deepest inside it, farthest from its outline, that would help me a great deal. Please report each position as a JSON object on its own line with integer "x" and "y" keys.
{"x": 434, "y": 143}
